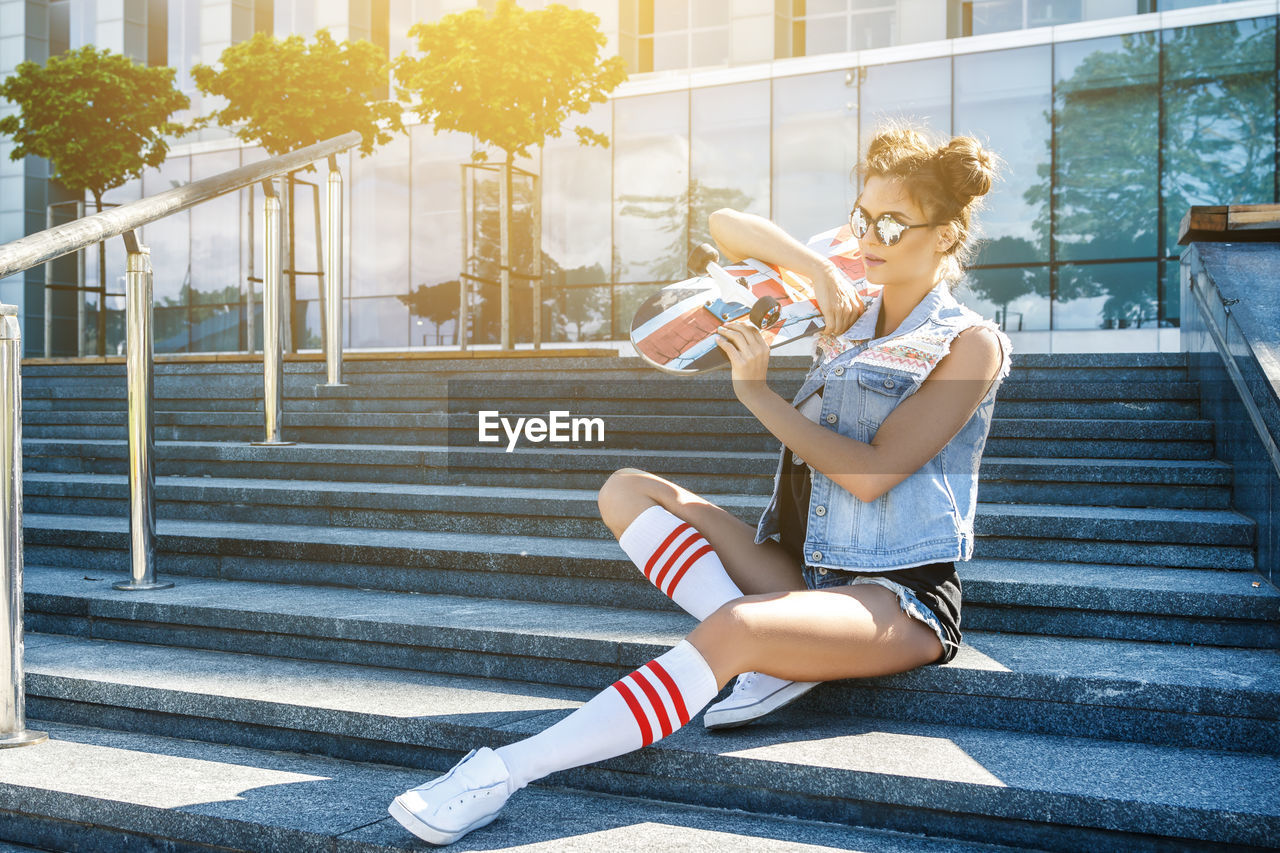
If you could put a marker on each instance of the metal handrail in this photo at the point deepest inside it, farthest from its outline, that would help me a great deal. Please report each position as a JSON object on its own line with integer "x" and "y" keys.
{"x": 123, "y": 221}
{"x": 72, "y": 236}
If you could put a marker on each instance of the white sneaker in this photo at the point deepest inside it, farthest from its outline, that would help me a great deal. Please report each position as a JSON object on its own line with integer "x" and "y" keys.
{"x": 754, "y": 695}
{"x": 467, "y": 797}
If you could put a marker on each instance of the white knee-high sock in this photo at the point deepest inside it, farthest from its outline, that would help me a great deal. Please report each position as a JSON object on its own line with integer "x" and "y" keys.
{"x": 633, "y": 712}
{"x": 679, "y": 561}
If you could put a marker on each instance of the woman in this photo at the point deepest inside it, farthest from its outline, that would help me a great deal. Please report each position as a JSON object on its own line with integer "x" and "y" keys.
{"x": 882, "y": 446}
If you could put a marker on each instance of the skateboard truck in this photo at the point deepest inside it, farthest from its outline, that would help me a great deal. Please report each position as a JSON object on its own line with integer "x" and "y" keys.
{"x": 736, "y": 298}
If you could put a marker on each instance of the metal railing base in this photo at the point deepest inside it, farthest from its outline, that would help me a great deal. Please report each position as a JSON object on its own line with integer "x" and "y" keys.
{"x": 26, "y": 737}
{"x": 130, "y": 586}
{"x": 272, "y": 443}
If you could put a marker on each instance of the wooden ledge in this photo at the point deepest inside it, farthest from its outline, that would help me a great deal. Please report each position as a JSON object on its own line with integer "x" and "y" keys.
{"x": 1244, "y": 223}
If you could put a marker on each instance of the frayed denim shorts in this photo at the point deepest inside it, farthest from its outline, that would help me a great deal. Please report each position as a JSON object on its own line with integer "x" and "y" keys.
{"x": 822, "y": 578}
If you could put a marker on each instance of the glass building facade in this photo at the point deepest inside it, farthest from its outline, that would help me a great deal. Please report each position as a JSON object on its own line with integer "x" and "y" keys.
{"x": 1110, "y": 128}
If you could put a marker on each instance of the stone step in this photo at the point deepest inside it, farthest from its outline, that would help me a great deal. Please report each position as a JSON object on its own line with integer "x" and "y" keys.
{"x": 1058, "y": 366}
{"x": 1160, "y": 483}
{"x": 1160, "y": 604}
{"x": 1136, "y": 481}
{"x": 87, "y": 793}
{"x": 1070, "y": 409}
{"x": 1125, "y": 439}
{"x": 526, "y": 391}
{"x": 1193, "y": 696}
{"x": 1156, "y": 603}
{"x": 1126, "y": 535}
{"x": 927, "y": 778}
{"x": 992, "y": 786}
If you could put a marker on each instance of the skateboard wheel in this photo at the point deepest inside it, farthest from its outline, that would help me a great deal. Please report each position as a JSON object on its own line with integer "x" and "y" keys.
{"x": 704, "y": 254}
{"x": 765, "y": 312}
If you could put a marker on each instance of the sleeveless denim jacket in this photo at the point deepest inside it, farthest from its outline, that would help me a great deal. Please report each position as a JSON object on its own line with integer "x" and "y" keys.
{"x": 928, "y": 517}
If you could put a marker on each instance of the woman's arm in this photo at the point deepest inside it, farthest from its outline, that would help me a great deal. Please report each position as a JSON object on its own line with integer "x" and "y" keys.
{"x": 914, "y": 432}
{"x": 740, "y": 235}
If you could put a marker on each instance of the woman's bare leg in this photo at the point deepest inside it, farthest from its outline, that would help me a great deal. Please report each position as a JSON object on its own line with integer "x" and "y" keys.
{"x": 756, "y": 569}
{"x": 815, "y": 635}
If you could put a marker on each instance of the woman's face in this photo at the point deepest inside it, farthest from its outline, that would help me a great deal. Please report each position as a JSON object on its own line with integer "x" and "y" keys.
{"x": 918, "y": 252}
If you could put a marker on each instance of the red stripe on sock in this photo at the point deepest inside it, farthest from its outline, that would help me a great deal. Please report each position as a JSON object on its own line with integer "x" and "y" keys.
{"x": 648, "y": 569}
{"x": 675, "y": 555}
{"x": 646, "y": 733}
{"x": 693, "y": 558}
{"x": 676, "y": 699}
{"x": 659, "y": 710}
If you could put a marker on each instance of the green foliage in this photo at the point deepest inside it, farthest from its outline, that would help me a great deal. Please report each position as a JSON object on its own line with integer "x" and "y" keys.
{"x": 284, "y": 94}
{"x": 98, "y": 117}
{"x": 511, "y": 79}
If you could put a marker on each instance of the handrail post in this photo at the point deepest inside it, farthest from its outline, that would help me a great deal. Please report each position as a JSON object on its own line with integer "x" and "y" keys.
{"x": 333, "y": 277}
{"x": 140, "y": 376}
{"x": 13, "y": 698}
{"x": 272, "y": 357}
{"x": 48, "y": 292}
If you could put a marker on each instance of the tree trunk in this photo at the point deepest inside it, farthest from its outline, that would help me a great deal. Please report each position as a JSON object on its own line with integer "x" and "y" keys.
{"x": 504, "y": 239}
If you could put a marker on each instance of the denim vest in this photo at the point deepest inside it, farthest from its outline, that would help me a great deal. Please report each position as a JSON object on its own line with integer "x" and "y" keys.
{"x": 928, "y": 517}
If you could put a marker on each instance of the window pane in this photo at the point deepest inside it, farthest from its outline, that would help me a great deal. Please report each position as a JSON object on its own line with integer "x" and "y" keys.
{"x": 651, "y": 187}
{"x": 216, "y": 227}
{"x": 436, "y": 252}
{"x": 730, "y": 153}
{"x": 1003, "y": 98}
{"x": 710, "y": 47}
{"x": 1105, "y": 296}
{"x": 825, "y": 35}
{"x": 1107, "y": 148}
{"x": 670, "y": 15}
{"x": 215, "y": 328}
{"x": 308, "y": 205}
{"x": 379, "y": 322}
{"x": 169, "y": 238}
{"x": 996, "y": 16}
{"x": 872, "y": 29}
{"x": 824, "y": 7}
{"x": 581, "y": 313}
{"x": 918, "y": 91}
{"x": 380, "y": 220}
{"x": 815, "y": 148}
{"x": 576, "y": 232}
{"x": 1016, "y": 297}
{"x": 1219, "y": 118}
{"x": 711, "y": 13}
{"x": 671, "y": 51}
{"x": 1044, "y": 13}
{"x": 170, "y": 330}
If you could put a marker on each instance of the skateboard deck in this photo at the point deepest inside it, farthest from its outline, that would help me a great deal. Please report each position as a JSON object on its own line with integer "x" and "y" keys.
{"x": 675, "y": 328}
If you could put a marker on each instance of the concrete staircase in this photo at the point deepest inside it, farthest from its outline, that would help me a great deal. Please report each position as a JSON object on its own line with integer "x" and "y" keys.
{"x": 354, "y": 612}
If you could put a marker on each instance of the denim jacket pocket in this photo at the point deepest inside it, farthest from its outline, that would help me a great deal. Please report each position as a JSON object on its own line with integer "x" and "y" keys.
{"x": 879, "y": 393}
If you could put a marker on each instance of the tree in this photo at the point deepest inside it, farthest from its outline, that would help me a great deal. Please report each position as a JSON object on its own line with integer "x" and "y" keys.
{"x": 99, "y": 118}
{"x": 284, "y": 94}
{"x": 510, "y": 80}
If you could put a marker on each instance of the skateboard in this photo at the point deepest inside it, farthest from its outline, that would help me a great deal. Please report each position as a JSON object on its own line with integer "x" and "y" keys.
{"x": 675, "y": 328}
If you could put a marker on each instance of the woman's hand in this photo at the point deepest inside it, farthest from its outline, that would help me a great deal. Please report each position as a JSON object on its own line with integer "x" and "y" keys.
{"x": 748, "y": 356}
{"x": 839, "y": 303}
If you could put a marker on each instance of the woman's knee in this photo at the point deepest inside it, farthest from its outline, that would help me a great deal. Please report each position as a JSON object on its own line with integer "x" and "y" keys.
{"x": 730, "y": 636}
{"x": 625, "y": 494}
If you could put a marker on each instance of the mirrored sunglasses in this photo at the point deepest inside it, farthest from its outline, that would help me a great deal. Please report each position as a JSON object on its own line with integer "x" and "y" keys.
{"x": 888, "y": 228}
